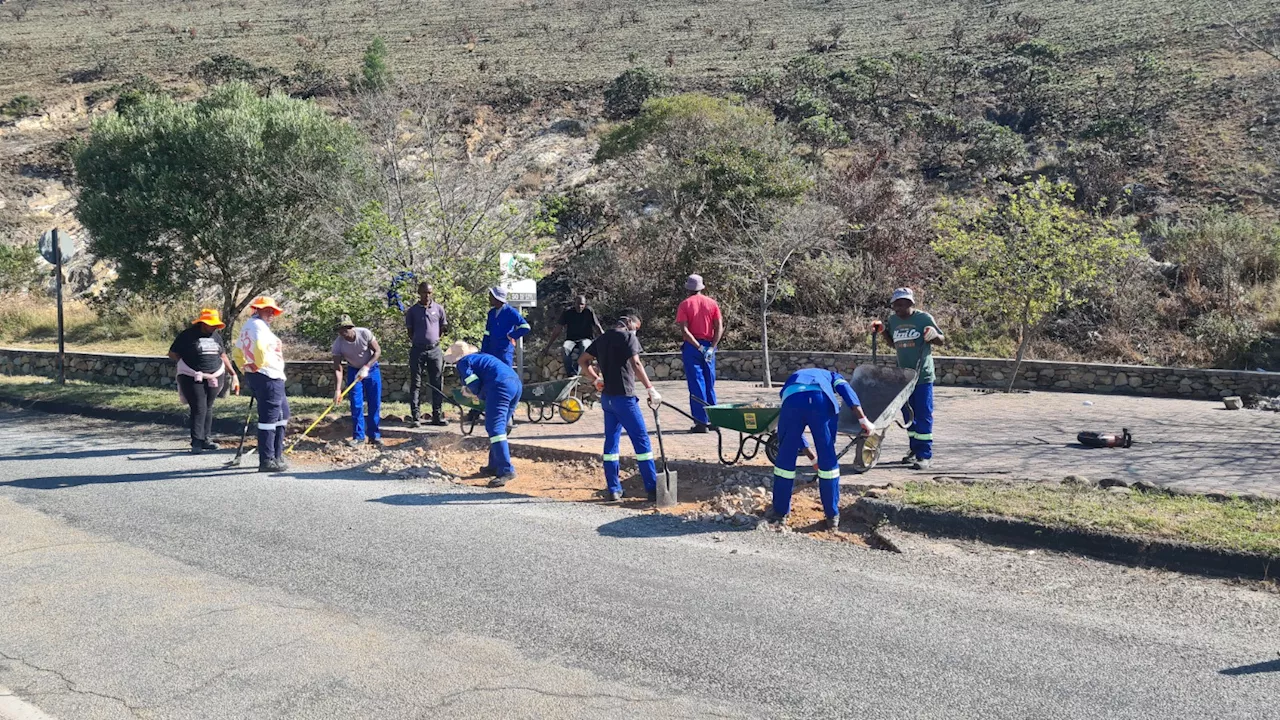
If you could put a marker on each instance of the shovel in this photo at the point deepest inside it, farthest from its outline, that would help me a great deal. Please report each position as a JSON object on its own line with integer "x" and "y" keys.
{"x": 235, "y": 461}
{"x": 666, "y": 477}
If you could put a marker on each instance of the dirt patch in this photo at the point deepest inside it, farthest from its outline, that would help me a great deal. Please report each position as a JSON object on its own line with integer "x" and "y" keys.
{"x": 737, "y": 498}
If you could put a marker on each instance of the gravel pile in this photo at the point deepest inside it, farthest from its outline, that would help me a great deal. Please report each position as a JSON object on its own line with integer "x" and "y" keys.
{"x": 738, "y": 505}
{"x": 418, "y": 463}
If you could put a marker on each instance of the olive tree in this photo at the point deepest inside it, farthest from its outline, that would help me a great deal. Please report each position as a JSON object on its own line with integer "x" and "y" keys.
{"x": 1026, "y": 256}
{"x": 222, "y": 194}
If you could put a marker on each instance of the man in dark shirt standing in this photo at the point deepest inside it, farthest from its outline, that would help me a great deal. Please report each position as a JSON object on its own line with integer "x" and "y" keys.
{"x": 580, "y": 325}
{"x": 618, "y": 353}
{"x": 426, "y": 322}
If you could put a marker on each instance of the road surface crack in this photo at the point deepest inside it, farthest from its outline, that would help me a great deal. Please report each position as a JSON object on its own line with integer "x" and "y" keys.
{"x": 71, "y": 685}
{"x": 453, "y": 697}
{"x": 57, "y": 545}
{"x": 223, "y": 672}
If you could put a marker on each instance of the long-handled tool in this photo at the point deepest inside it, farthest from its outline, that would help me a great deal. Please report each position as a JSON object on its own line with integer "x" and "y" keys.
{"x": 235, "y": 461}
{"x": 667, "y": 485}
{"x": 313, "y": 425}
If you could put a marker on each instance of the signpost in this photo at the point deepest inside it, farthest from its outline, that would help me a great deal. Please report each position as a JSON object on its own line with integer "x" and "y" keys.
{"x": 522, "y": 292}
{"x": 55, "y": 247}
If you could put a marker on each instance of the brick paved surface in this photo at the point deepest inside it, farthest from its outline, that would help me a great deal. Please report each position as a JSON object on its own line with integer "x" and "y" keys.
{"x": 1184, "y": 444}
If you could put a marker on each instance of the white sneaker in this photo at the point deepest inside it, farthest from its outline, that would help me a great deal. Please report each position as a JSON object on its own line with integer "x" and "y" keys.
{"x": 921, "y": 464}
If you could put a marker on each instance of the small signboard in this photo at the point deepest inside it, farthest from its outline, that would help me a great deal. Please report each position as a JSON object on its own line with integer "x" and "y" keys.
{"x": 65, "y": 242}
{"x": 750, "y": 420}
{"x": 521, "y": 291}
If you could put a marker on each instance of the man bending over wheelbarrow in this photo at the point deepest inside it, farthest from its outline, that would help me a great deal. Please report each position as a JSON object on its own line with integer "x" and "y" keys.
{"x": 913, "y": 334}
{"x": 618, "y": 352}
{"x": 809, "y": 399}
{"x": 490, "y": 379}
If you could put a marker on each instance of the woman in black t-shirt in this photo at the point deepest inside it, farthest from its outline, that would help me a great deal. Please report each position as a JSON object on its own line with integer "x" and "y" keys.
{"x": 202, "y": 367}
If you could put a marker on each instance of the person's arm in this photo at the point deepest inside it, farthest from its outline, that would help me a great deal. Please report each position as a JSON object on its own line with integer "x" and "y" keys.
{"x": 933, "y": 334}
{"x": 555, "y": 334}
{"x": 174, "y": 356}
{"x": 638, "y": 367}
{"x": 846, "y": 393}
{"x": 688, "y": 336}
{"x": 377, "y": 353}
{"x": 585, "y": 361}
{"x": 470, "y": 380}
{"x": 444, "y": 322}
{"x": 338, "y": 382}
{"x": 231, "y": 370}
{"x": 521, "y": 329}
{"x": 173, "y": 349}
{"x": 595, "y": 322}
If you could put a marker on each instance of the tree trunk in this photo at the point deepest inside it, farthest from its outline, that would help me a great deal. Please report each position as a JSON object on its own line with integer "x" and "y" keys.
{"x": 764, "y": 334}
{"x": 1024, "y": 337}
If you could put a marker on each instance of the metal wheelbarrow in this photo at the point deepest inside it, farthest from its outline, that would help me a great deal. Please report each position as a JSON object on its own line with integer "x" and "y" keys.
{"x": 884, "y": 392}
{"x": 544, "y": 400}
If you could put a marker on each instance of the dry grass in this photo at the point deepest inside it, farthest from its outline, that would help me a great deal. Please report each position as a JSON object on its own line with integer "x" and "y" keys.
{"x": 1237, "y": 524}
{"x": 562, "y": 40}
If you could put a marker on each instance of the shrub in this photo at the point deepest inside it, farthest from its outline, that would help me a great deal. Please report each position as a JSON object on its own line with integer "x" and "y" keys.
{"x": 229, "y": 68}
{"x": 1229, "y": 339}
{"x": 626, "y": 94}
{"x": 21, "y": 106}
{"x": 375, "y": 74}
{"x": 18, "y": 269}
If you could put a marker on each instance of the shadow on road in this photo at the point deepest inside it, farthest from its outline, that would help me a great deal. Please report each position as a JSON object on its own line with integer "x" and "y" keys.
{"x": 1255, "y": 669}
{"x": 660, "y": 526}
{"x": 60, "y": 482}
{"x": 429, "y": 499}
{"x": 115, "y": 452}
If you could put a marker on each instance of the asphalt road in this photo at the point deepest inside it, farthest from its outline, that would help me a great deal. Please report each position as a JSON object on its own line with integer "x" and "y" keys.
{"x": 140, "y": 582}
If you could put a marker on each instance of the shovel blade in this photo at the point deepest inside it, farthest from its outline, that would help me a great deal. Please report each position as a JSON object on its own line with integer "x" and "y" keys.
{"x": 667, "y": 488}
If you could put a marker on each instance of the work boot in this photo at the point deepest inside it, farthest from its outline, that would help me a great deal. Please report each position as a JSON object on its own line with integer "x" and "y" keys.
{"x": 909, "y": 459}
{"x": 438, "y": 421}
{"x": 265, "y": 464}
{"x": 485, "y": 471}
{"x": 353, "y": 442}
{"x": 699, "y": 429}
{"x": 376, "y": 442}
{"x": 197, "y": 448}
{"x": 502, "y": 480}
{"x": 207, "y": 445}
{"x": 833, "y": 523}
{"x": 921, "y": 464}
{"x": 772, "y": 516}
{"x": 415, "y": 422}
{"x": 612, "y": 496}
{"x": 279, "y": 465}
{"x": 651, "y": 496}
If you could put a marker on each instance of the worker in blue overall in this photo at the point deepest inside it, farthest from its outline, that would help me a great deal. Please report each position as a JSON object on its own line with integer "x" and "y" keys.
{"x": 489, "y": 379}
{"x": 504, "y": 326}
{"x": 809, "y": 400}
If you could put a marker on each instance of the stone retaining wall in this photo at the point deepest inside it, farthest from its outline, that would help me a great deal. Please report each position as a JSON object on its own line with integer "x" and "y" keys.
{"x": 316, "y": 377}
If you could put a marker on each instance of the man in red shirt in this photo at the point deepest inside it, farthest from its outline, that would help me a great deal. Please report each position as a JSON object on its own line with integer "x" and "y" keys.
{"x": 699, "y": 319}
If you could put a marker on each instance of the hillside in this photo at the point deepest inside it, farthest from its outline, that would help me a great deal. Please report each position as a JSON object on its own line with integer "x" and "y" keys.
{"x": 1163, "y": 116}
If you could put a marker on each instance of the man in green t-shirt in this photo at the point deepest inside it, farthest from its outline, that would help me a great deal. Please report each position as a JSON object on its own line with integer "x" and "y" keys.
{"x": 913, "y": 334}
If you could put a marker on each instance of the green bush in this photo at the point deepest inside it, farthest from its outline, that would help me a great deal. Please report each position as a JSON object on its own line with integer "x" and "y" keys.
{"x": 626, "y": 94}
{"x": 375, "y": 74}
{"x": 21, "y": 106}
{"x": 18, "y": 269}
{"x": 1230, "y": 339}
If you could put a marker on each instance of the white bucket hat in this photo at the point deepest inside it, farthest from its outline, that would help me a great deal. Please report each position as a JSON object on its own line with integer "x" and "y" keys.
{"x": 459, "y": 350}
{"x": 903, "y": 293}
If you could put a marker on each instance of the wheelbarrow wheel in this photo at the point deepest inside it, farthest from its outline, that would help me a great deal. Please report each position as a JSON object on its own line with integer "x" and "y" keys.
{"x": 571, "y": 410}
{"x": 771, "y": 449}
{"x": 866, "y": 453}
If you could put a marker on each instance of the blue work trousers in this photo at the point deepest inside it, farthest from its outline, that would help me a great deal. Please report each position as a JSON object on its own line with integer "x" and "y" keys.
{"x": 273, "y": 415}
{"x": 366, "y": 394}
{"x": 809, "y": 409}
{"x": 921, "y": 430}
{"x": 701, "y": 376}
{"x": 500, "y": 401}
{"x": 622, "y": 412}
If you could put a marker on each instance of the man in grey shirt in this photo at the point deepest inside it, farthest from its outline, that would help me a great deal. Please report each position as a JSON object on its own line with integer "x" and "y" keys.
{"x": 425, "y": 322}
{"x": 360, "y": 349}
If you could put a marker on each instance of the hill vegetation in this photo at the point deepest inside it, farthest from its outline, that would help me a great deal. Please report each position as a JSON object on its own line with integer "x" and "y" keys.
{"x": 806, "y": 157}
